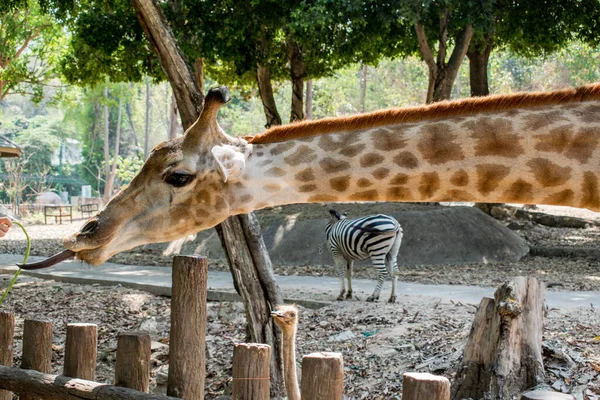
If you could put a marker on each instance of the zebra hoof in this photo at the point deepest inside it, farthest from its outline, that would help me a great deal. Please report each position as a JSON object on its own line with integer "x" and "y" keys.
{"x": 349, "y": 296}
{"x": 340, "y": 297}
{"x": 371, "y": 299}
{"x": 392, "y": 299}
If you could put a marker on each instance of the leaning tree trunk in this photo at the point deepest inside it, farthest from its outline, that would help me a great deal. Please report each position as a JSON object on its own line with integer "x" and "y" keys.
{"x": 503, "y": 354}
{"x": 265, "y": 90}
{"x": 478, "y": 70}
{"x": 297, "y": 73}
{"x": 240, "y": 235}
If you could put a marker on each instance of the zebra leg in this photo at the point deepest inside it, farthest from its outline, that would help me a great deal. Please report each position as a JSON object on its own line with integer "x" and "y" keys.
{"x": 349, "y": 265}
{"x": 391, "y": 260}
{"x": 340, "y": 262}
{"x": 379, "y": 263}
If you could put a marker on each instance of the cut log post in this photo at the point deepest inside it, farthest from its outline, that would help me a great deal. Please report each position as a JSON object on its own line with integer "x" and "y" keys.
{"x": 251, "y": 370}
{"x": 81, "y": 351}
{"x": 132, "y": 368}
{"x": 187, "y": 364}
{"x": 545, "y": 395}
{"x": 425, "y": 386}
{"x": 503, "y": 354}
{"x": 322, "y": 376}
{"x": 37, "y": 350}
{"x": 55, "y": 387}
{"x": 7, "y": 334}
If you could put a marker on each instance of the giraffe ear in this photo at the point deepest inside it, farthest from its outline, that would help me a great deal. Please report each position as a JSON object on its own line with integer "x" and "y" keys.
{"x": 230, "y": 162}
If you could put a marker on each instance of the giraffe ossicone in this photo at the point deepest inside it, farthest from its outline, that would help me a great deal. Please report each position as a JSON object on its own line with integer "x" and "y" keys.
{"x": 528, "y": 148}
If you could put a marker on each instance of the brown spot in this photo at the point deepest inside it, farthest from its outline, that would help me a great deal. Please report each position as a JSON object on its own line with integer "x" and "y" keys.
{"x": 362, "y": 182}
{"x": 370, "y": 159}
{"x": 272, "y": 187}
{"x": 460, "y": 178}
{"x": 437, "y": 144}
{"x": 352, "y": 151}
{"x": 219, "y": 203}
{"x": 282, "y": 147}
{"x": 495, "y": 137}
{"x": 406, "y": 160}
{"x": 396, "y": 193}
{"x": 399, "y": 179}
{"x": 302, "y": 155}
{"x": 385, "y": 139}
{"x": 340, "y": 184}
{"x": 547, "y": 173}
{"x": 275, "y": 171}
{"x": 259, "y": 153}
{"x": 306, "y": 175}
{"x": 430, "y": 183}
{"x": 519, "y": 192}
{"x": 381, "y": 173}
{"x": 457, "y": 195}
{"x": 331, "y": 165}
{"x": 578, "y": 146}
{"x": 334, "y": 142}
{"x": 246, "y": 198}
{"x": 204, "y": 197}
{"x": 264, "y": 163}
{"x": 307, "y": 188}
{"x": 367, "y": 195}
{"x": 589, "y": 191}
{"x": 240, "y": 185}
{"x": 489, "y": 176}
{"x": 591, "y": 114}
{"x": 321, "y": 198}
{"x": 562, "y": 198}
{"x": 535, "y": 121}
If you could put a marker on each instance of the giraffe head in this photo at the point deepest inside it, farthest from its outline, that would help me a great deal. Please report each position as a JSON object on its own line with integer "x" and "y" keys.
{"x": 180, "y": 190}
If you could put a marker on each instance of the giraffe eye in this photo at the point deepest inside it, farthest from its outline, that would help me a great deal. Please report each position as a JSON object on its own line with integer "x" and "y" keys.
{"x": 178, "y": 178}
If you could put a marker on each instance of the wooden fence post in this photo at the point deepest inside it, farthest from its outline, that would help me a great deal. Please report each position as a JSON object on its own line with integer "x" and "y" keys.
{"x": 322, "y": 376}
{"x": 37, "y": 349}
{"x": 187, "y": 364}
{"x": 132, "y": 369}
{"x": 81, "y": 351}
{"x": 7, "y": 334}
{"x": 251, "y": 371}
{"x": 424, "y": 386}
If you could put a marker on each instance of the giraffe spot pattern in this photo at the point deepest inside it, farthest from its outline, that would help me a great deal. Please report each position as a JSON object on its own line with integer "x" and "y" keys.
{"x": 385, "y": 139}
{"x": 457, "y": 195}
{"x": 495, "y": 137}
{"x": 275, "y": 172}
{"x": 334, "y": 142}
{"x": 264, "y": 163}
{"x": 246, "y": 198}
{"x": 579, "y": 146}
{"x": 306, "y": 175}
{"x": 321, "y": 198}
{"x": 536, "y": 121}
{"x": 430, "y": 183}
{"x": 353, "y": 151}
{"x": 331, "y": 165}
{"x": 589, "y": 190}
{"x": 547, "y": 173}
{"x": 307, "y": 188}
{"x": 370, "y": 159}
{"x": 303, "y": 155}
{"x": 399, "y": 193}
{"x": 460, "y": 178}
{"x": 272, "y": 188}
{"x": 399, "y": 179}
{"x": 380, "y": 173}
{"x": 406, "y": 160}
{"x": 519, "y": 192}
{"x": 562, "y": 198}
{"x": 437, "y": 144}
{"x": 340, "y": 184}
{"x": 367, "y": 195}
{"x": 363, "y": 182}
{"x": 591, "y": 114}
{"x": 219, "y": 203}
{"x": 282, "y": 148}
{"x": 489, "y": 177}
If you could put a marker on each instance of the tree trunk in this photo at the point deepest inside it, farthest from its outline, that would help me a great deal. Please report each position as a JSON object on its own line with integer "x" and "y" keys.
{"x": 240, "y": 235}
{"x": 265, "y": 90}
{"x": 199, "y": 73}
{"x": 173, "y": 118}
{"x": 147, "y": 127}
{"x": 478, "y": 70}
{"x": 107, "y": 190}
{"x": 297, "y": 73}
{"x": 363, "y": 87}
{"x": 129, "y": 111}
{"x": 110, "y": 180}
{"x": 309, "y": 98}
{"x": 503, "y": 354}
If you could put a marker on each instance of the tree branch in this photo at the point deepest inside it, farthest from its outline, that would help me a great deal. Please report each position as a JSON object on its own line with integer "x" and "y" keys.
{"x": 424, "y": 46}
{"x": 441, "y": 56}
{"x": 460, "y": 49}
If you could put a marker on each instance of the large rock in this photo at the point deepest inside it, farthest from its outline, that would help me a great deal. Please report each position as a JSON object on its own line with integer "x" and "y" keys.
{"x": 446, "y": 235}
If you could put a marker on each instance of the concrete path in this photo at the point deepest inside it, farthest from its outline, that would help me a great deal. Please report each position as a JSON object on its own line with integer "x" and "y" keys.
{"x": 309, "y": 291}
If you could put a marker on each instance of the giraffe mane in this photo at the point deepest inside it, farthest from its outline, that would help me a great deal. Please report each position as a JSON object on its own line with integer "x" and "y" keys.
{"x": 444, "y": 109}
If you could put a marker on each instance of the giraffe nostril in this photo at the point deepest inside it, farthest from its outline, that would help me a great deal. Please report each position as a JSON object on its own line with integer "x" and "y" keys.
{"x": 90, "y": 227}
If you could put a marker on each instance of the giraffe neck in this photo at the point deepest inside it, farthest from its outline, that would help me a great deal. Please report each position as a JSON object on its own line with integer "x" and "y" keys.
{"x": 540, "y": 155}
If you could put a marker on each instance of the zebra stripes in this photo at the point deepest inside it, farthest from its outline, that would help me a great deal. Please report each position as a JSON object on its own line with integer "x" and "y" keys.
{"x": 377, "y": 237}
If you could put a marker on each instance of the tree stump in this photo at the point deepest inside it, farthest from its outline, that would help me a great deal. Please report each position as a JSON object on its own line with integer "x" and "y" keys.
{"x": 322, "y": 376}
{"x": 419, "y": 386}
{"x": 503, "y": 355}
{"x": 251, "y": 368}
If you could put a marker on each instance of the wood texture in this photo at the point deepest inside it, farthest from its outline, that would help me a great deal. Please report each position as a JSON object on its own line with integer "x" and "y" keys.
{"x": 503, "y": 354}
{"x": 46, "y": 386}
{"x": 187, "y": 364}
{"x": 425, "y": 386}
{"x": 7, "y": 334}
{"x": 322, "y": 376}
{"x": 132, "y": 368}
{"x": 251, "y": 371}
{"x": 37, "y": 350}
{"x": 81, "y": 351}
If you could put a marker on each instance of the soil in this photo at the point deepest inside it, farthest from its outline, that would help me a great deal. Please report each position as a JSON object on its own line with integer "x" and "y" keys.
{"x": 379, "y": 341}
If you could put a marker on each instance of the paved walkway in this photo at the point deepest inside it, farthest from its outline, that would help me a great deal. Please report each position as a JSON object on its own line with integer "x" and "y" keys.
{"x": 308, "y": 291}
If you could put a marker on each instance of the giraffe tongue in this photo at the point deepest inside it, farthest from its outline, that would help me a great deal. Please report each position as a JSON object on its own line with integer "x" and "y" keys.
{"x": 55, "y": 259}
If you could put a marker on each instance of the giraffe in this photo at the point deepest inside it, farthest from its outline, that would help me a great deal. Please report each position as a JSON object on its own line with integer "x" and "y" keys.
{"x": 527, "y": 148}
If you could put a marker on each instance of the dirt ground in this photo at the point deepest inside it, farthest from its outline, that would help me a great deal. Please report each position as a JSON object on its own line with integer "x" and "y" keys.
{"x": 379, "y": 342}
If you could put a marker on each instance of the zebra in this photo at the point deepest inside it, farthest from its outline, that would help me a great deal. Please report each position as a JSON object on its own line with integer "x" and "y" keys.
{"x": 375, "y": 236}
